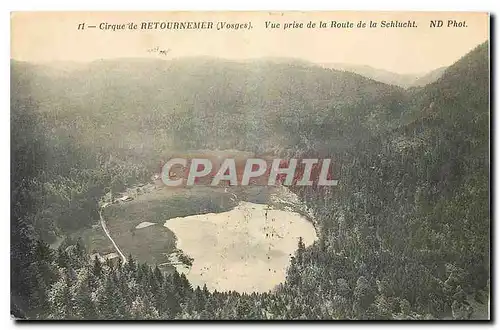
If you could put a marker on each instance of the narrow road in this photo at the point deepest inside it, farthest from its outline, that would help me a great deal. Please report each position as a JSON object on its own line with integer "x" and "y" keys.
{"x": 103, "y": 225}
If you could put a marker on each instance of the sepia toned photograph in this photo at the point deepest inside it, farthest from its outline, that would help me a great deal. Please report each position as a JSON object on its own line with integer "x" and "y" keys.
{"x": 250, "y": 166}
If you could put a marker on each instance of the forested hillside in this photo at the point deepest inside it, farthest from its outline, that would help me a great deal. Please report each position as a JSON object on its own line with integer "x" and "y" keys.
{"x": 405, "y": 234}
{"x": 411, "y": 218}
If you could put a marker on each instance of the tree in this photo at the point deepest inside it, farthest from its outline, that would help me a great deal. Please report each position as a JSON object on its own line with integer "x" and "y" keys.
{"x": 61, "y": 298}
{"x": 364, "y": 296}
{"x": 300, "y": 250}
{"x": 84, "y": 303}
{"x": 97, "y": 268}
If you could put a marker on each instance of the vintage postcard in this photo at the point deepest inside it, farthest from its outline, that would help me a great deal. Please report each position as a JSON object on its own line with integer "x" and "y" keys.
{"x": 250, "y": 165}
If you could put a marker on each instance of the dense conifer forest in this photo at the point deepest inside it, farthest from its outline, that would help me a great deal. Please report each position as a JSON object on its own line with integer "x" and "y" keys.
{"x": 405, "y": 234}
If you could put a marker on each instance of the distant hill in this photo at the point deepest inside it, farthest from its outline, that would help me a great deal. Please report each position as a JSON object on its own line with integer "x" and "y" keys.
{"x": 142, "y": 105}
{"x": 387, "y": 77}
{"x": 429, "y": 77}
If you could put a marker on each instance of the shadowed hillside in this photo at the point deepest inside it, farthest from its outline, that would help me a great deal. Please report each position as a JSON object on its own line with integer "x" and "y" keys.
{"x": 411, "y": 217}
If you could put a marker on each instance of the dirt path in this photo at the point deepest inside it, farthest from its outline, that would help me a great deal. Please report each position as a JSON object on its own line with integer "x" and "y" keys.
{"x": 103, "y": 225}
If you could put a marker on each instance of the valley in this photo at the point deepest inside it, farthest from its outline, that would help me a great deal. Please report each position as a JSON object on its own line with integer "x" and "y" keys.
{"x": 403, "y": 235}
